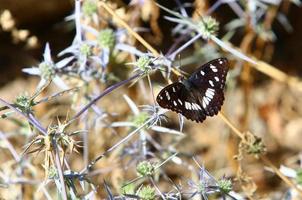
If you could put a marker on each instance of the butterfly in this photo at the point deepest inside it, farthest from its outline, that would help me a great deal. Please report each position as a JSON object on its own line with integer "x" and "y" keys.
{"x": 200, "y": 95}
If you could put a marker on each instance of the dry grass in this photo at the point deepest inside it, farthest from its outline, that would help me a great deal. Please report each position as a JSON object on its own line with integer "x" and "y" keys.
{"x": 96, "y": 141}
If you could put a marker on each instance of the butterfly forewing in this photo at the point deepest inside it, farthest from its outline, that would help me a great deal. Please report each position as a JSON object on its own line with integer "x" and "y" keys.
{"x": 177, "y": 98}
{"x": 212, "y": 74}
{"x": 208, "y": 83}
{"x": 173, "y": 96}
{"x": 200, "y": 95}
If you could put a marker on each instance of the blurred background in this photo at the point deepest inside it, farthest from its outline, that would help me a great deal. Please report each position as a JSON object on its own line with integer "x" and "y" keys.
{"x": 267, "y": 107}
{"x": 45, "y": 21}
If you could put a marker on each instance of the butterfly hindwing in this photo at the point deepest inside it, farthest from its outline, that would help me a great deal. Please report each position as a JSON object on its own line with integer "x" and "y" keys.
{"x": 200, "y": 95}
{"x": 177, "y": 98}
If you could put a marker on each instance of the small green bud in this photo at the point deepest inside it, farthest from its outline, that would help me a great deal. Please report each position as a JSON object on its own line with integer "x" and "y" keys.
{"x": 47, "y": 70}
{"x": 257, "y": 147}
{"x": 299, "y": 176}
{"x": 208, "y": 26}
{"x": 106, "y": 38}
{"x": 24, "y": 103}
{"x": 89, "y": 7}
{"x": 201, "y": 188}
{"x": 140, "y": 119}
{"x": 85, "y": 50}
{"x": 53, "y": 173}
{"x": 128, "y": 189}
{"x": 147, "y": 193}
{"x": 145, "y": 168}
{"x": 225, "y": 185}
{"x": 143, "y": 63}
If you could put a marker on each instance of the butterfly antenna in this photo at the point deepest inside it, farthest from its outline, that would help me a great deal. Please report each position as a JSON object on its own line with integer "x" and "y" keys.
{"x": 201, "y": 17}
{"x": 151, "y": 89}
{"x": 179, "y": 59}
{"x": 182, "y": 72}
{"x": 150, "y": 83}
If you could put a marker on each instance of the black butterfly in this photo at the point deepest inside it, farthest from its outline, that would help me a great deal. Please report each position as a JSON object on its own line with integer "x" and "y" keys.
{"x": 199, "y": 96}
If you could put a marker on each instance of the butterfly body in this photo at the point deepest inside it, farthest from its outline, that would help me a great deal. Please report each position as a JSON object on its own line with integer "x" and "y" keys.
{"x": 200, "y": 95}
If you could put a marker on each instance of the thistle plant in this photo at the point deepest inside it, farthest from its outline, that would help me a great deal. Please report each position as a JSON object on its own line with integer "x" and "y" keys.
{"x": 89, "y": 7}
{"x": 47, "y": 70}
{"x": 147, "y": 193}
{"x": 115, "y": 141}
{"x": 145, "y": 168}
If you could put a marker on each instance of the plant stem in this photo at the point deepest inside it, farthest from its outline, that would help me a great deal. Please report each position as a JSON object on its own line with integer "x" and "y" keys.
{"x": 29, "y": 117}
{"x": 105, "y": 92}
{"x": 116, "y": 145}
{"x": 59, "y": 168}
{"x": 264, "y": 158}
{"x": 129, "y": 29}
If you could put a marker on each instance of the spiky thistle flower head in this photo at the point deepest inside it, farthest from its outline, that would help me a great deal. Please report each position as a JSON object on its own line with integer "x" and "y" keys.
{"x": 24, "y": 103}
{"x": 147, "y": 193}
{"x": 145, "y": 168}
{"x": 225, "y": 185}
{"x": 86, "y": 49}
{"x": 208, "y": 26}
{"x": 89, "y": 7}
{"x": 106, "y": 38}
{"x": 47, "y": 70}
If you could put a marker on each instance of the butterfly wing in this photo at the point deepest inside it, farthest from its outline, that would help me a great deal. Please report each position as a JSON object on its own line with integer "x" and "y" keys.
{"x": 199, "y": 96}
{"x": 212, "y": 74}
{"x": 207, "y": 84}
{"x": 178, "y": 98}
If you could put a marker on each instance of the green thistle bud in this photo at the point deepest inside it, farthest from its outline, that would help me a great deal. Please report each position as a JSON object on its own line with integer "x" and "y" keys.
{"x": 147, "y": 193}
{"x": 208, "y": 26}
{"x": 47, "y": 70}
{"x": 106, "y": 38}
{"x": 24, "y": 103}
{"x": 299, "y": 176}
{"x": 128, "y": 189}
{"x": 145, "y": 168}
{"x": 143, "y": 63}
{"x": 86, "y": 50}
{"x": 140, "y": 119}
{"x": 89, "y": 7}
{"x": 225, "y": 185}
{"x": 53, "y": 173}
{"x": 257, "y": 147}
{"x": 201, "y": 188}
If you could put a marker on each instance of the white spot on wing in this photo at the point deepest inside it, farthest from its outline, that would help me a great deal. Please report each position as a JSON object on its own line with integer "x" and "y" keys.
{"x": 216, "y": 78}
{"x": 174, "y": 102}
{"x": 193, "y": 106}
{"x": 167, "y": 95}
{"x": 173, "y": 89}
{"x": 214, "y": 69}
{"x": 188, "y": 105}
{"x": 212, "y": 90}
{"x": 209, "y": 94}
{"x": 179, "y": 101}
{"x": 196, "y": 106}
{"x": 211, "y": 83}
{"x": 205, "y": 102}
{"x": 202, "y": 72}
